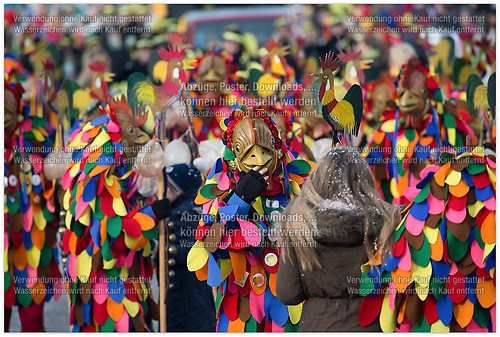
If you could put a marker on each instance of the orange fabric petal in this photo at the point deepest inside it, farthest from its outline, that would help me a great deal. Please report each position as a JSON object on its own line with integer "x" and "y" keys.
{"x": 463, "y": 312}
{"x": 37, "y": 237}
{"x": 401, "y": 279}
{"x": 426, "y": 141}
{"x": 488, "y": 230}
{"x": 145, "y": 221}
{"x": 20, "y": 257}
{"x": 239, "y": 262}
{"x": 38, "y": 293}
{"x": 97, "y": 170}
{"x": 72, "y": 243}
{"x": 378, "y": 137}
{"x": 115, "y": 189}
{"x": 236, "y": 326}
{"x": 437, "y": 249}
{"x": 485, "y": 292}
{"x": 94, "y": 131}
{"x": 202, "y": 274}
{"x": 200, "y": 200}
{"x": 441, "y": 174}
{"x": 272, "y": 283}
{"x": 460, "y": 190}
{"x": 401, "y": 314}
{"x": 103, "y": 229}
{"x": 258, "y": 269}
{"x": 298, "y": 179}
{"x": 115, "y": 310}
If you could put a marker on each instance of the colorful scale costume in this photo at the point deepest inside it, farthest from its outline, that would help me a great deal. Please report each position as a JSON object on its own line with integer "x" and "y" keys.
{"x": 31, "y": 271}
{"x": 397, "y": 161}
{"x": 109, "y": 237}
{"x": 440, "y": 275}
{"x": 235, "y": 249}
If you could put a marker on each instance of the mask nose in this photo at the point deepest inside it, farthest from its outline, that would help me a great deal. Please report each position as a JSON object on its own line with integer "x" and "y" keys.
{"x": 257, "y": 156}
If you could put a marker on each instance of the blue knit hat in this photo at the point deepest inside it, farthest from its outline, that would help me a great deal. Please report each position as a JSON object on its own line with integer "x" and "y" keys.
{"x": 183, "y": 177}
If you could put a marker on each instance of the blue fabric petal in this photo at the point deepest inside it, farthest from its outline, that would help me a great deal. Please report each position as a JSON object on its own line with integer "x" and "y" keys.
{"x": 90, "y": 190}
{"x": 440, "y": 269}
{"x": 116, "y": 289}
{"x": 278, "y": 311}
{"x": 100, "y": 120}
{"x": 470, "y": 286}
{"x": 214, "y": 273}
{"x": 445, "y": 309}
{"x": 223, "y": 323}
{"x": 420, "y": 211}
{"x": 483, "y": 194}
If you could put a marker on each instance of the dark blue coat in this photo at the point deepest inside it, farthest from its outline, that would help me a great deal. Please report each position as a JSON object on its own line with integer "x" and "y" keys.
{"x": 190, "y": 303}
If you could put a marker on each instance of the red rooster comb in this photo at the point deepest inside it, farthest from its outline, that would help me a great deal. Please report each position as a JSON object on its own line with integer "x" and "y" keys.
{"x": 331, "y": 62}
{"x": 350, "y": 55}
{"x": 48, "y": 64}
{"x": 98, "y": 66}
{"x": 171, "y": 53}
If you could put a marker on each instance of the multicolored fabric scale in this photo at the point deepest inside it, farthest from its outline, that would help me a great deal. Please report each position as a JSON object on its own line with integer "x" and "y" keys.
{"x": 31, "y": 261}
{"x": 411, "y": 150}
{"x": 109, "y": 237}
{"x": 236, "y": 249}
{"x": 440, "y": 275}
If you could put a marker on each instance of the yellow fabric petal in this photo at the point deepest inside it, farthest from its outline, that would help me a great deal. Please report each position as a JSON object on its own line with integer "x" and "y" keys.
{"x": 431, "y": 234}
{"x": 197, "y": 257}
{"x": 389, "y": 126}
{"x": 85, "y": 217}
{"x": 33, "y": 257}
{"x": 257, "y": 205}
{"x": 131, "y": 307}
{"x": 488, "y": 248}
{"x": 100, "y": 139}
{"x": 452, "y": 136}
{"x": 83, "y": 266}
{"x": 491, "y": 174}
{"x": 438, "y": 326}
{"x": 453, "y": 178}
{"x": 225, "y": 268}
{"x": 422, "y": 277}
{"x": 402, "y": 147}
{"x": 394, "y": 188}
{"x": 108, "y": 264}
{"x": 295, "y": 311}
{"x": 474, "y": 209}
{"x": 119, "y": 207}
{"x": 387, "y": 317}
{"x": 39, "y": 220}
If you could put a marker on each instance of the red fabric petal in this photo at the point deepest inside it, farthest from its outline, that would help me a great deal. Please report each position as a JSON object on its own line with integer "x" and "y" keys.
{"x": 430, "y": 311}
{"x": 370, "y": 309}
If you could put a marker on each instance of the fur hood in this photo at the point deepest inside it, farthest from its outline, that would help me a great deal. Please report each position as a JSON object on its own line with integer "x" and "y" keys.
{"x": 342, "y": 223}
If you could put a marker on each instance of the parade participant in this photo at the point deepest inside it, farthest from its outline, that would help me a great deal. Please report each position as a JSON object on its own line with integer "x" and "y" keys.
{"x": 31, "y": 271}
{"x": 340, "y": 216}
{"x": 273, "y": 88}
{"x": 236, "y": 249}
{"x": 421, "y": 127}
{"x": 110, "y": 230}
{"x": 209, "y": 99}
{"x": 190, "y": 302}
{"x": 440, "y": 274}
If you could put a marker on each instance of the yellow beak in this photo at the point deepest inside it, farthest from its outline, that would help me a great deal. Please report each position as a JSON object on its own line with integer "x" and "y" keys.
{"x": 257, "y": 156}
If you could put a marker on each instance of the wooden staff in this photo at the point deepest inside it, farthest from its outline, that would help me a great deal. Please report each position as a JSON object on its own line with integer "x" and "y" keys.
{"x": 161, "y": 242}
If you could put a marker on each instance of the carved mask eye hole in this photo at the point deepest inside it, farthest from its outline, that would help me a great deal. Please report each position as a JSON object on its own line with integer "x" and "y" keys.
{"x": 130, "y": 129}
{"x": 237, "y": 148}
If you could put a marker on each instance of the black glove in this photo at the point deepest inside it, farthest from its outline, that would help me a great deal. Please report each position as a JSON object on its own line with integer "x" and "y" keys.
{"x": 250, "y": 186}
{"x": 161, "y": 208}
